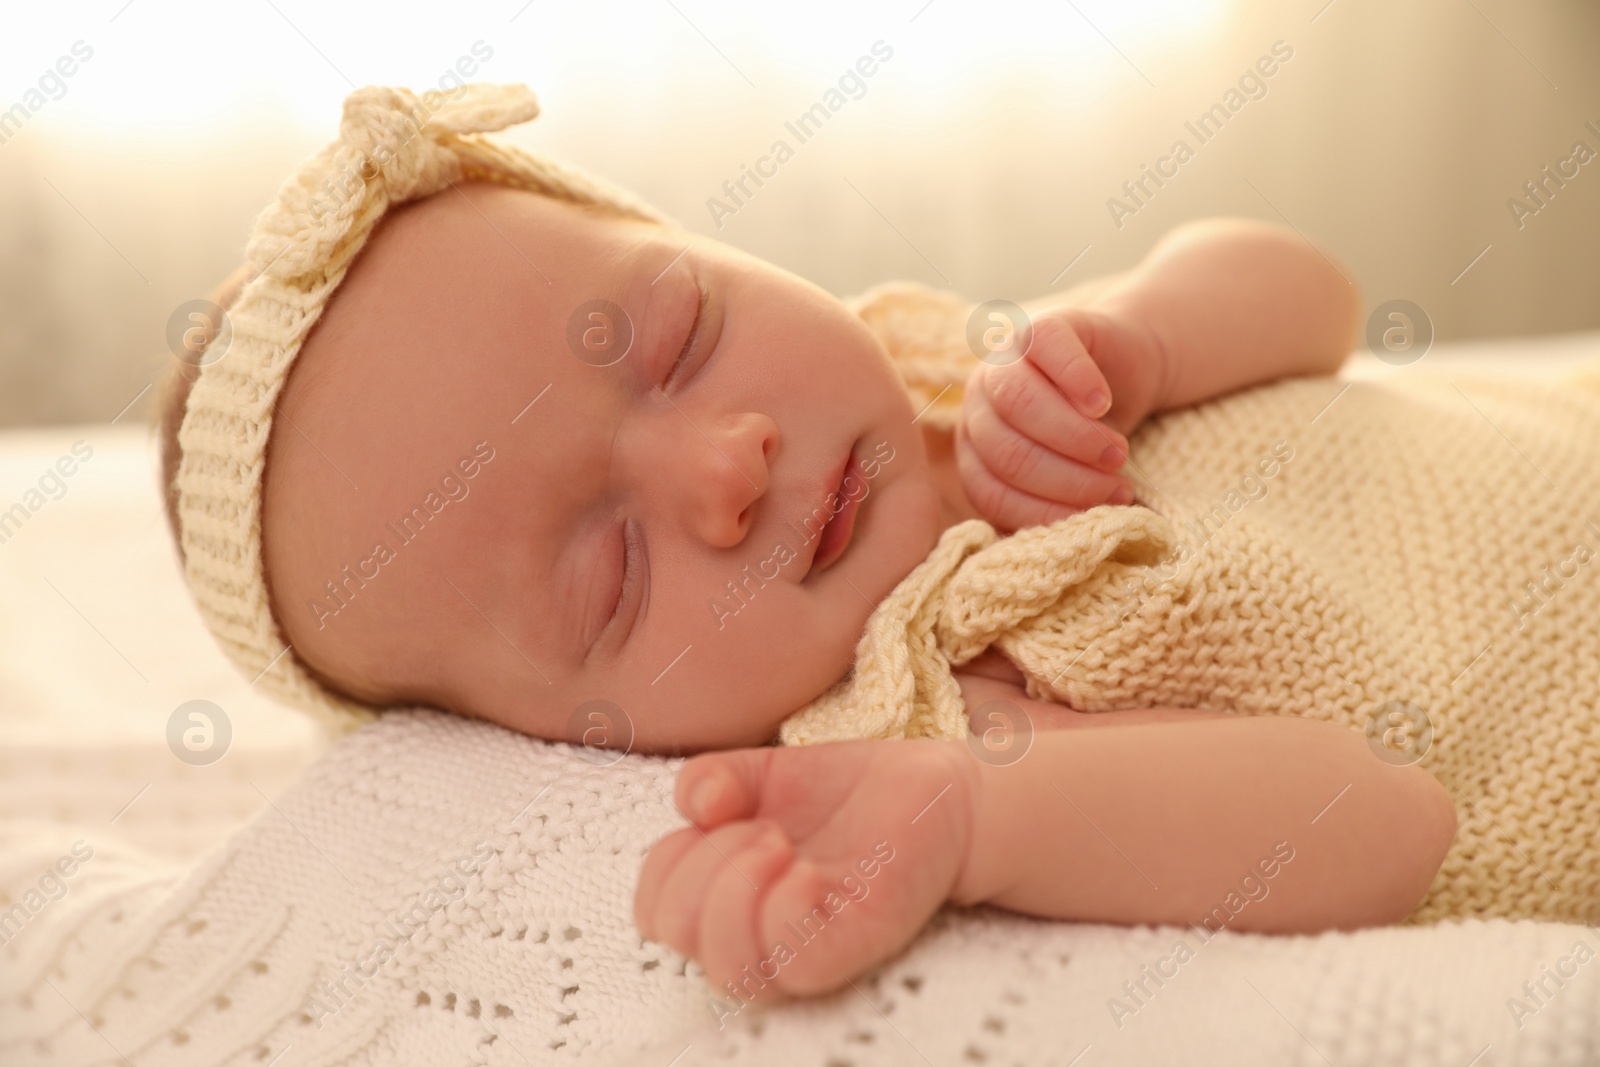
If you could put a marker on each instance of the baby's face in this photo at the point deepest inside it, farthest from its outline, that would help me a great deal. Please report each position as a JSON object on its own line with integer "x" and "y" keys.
{"x": 695, "y": 532}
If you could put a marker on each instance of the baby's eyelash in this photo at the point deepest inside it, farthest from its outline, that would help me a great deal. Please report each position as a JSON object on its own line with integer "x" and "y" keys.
{"x": 694, "y": 333}
{"x": 632, "y": 557}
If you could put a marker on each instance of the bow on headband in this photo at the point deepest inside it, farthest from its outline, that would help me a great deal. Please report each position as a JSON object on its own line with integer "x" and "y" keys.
{"x": 394, "y": 146}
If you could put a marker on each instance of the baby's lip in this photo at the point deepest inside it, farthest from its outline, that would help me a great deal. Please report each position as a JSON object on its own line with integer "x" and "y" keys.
{"x": 832, "y": 540}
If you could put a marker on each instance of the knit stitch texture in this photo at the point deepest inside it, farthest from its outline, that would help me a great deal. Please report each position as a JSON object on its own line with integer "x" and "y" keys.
{"x": 337, "y": 930}
{"x": 1416, "y": 560}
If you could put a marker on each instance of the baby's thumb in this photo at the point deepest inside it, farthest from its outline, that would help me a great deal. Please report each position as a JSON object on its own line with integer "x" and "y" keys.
{"x": 722, "y": 786}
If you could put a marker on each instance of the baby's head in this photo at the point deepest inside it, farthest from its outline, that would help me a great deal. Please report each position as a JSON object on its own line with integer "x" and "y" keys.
{"x": 537, "y": 453}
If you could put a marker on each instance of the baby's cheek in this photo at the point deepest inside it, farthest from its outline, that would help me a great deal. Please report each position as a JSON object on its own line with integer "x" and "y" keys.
{"x": 770, "y": 665}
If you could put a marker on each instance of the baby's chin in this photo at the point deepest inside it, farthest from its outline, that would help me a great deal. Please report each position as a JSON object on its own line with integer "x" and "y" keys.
{"x": 899, "y": 525}
{"x": 896, "y": 532}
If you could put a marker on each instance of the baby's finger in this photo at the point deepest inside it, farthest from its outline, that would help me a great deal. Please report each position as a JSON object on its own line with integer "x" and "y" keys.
{"x": 1030, "y": 403}
{"x": 797, "y": 901}
{"x": 719, "y": 786}
{"x": 730, "y": 935}
{"x": 1025, "y": 464}
{"x": 1006, "y": 506}
{"x": 1054, "y": 346}
{"x": 663, "y": 857}
{"x": 679, "y": 903}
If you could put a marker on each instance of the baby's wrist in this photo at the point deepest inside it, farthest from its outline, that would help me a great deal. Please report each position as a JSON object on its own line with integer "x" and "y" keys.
{"x": 983, "y": 873}
{"x": 1163, "y": 357}
{"x": 1155, "y": 358}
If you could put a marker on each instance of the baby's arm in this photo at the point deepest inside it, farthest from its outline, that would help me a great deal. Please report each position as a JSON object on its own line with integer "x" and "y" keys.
{"x": 840, "y": 853}
{"x": 1232, "y": 303}
{"x": 1161, "y": 823}
{"x": 1216, "y": 306}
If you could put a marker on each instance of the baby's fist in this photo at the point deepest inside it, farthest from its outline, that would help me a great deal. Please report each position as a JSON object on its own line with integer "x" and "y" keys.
{"x": 1041, "y": 437}
{"x": 804, "y": 866}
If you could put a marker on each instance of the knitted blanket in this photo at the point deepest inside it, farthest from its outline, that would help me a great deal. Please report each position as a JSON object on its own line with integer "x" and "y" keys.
{"x": 1412, "y": 562}
{"x": 437, "y": 890}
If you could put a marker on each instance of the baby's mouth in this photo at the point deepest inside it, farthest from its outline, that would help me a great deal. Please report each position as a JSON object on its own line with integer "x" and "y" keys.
{"x": 834, "y": 537}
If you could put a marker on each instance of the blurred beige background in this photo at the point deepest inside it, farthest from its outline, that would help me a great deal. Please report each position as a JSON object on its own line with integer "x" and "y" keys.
{"x": 980, "y": 156}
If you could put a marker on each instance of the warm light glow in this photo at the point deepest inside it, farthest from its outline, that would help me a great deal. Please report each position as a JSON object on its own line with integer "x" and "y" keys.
{"x": 186, "y": 65}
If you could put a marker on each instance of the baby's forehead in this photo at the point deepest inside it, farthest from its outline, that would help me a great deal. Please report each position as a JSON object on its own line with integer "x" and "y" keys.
{"x": 447, "y": 331}
{"x": 470, "y": 277}
{"x": 490, "y": 241}
{"x": 449, "y": 324}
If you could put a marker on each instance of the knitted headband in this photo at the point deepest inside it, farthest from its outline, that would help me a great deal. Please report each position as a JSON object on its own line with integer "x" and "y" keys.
{"x": 393, "y": 146}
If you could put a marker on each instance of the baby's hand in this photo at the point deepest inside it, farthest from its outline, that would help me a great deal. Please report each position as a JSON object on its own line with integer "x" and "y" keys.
{"x": 1042, "y": 437}
{"x": 806, "y": 866}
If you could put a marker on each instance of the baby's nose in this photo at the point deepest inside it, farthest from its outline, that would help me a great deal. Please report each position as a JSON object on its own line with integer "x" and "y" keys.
{"x": 725, "y": 468}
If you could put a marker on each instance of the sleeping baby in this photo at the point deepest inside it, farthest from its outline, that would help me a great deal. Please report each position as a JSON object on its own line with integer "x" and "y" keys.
{"x": 1162, "y": 626}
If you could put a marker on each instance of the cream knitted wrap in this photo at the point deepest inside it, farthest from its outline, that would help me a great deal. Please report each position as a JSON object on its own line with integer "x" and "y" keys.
{"x": 1416, "y": 540}
{"x": 393, "y": 146}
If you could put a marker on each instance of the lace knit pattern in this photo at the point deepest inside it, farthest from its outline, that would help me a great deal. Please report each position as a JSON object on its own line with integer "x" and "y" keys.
{"x": 271, "y": 950}
{"x": 1311, "y": 547}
